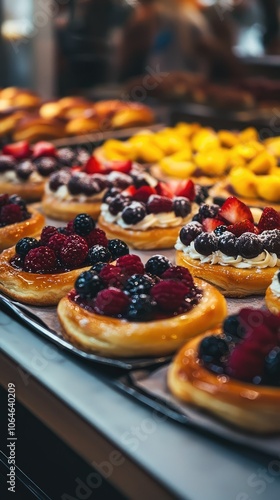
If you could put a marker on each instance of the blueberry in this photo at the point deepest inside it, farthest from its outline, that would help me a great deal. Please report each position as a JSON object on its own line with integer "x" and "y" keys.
{"x": 212, "y": 349}
{"x": 134, "y": 212}
{"x": 25, "y": 169}
{"x": 88, "y": 284}
{"x": 197, "y": 218}
{"x": 233, "y": 329}
{"x": 206, "y": 211}
{"x": 25, "y": 244}
{"x": 99, "y": 254}
{"x": 272, "y": 367}
{"x": 141, "y": 307}
{"x": 66, "y": 156}
{"x": 227, "y": 244}
{"x": 89, "y": 186}
{"x": 59, "y": 179}
{"x": 201, "y": 193}
{"x": 118, "y": 248}
{"x": 17, "y": 200}
{"x": 157, "y": 265}
{"x": 138, "y": 284}
{"x": 7, "y": 162}
{"x": 117, "y": 204}
{"x": 75, "y": 183}
{"x": 220, "y": 230}
{"x": 110, "y": 194}
{"x": 97, "y": 268}
{"x": 271, "y": 241}
{"x": 189, "y": 232}
{"x": 83, "y": 224}
{"x": 139, "y": 180}
{"x": 249, "y": 245}
{"x": 46, "y": 165}
{"x": 181, "y": 206}
{"x": 206, "y": 243}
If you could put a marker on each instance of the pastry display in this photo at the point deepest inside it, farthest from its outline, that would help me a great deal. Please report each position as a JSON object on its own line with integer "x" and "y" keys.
{"x": 15, "y": 97}
{"x": 129, "y": 309}
{"x": 41, "y": 271}
{"x": 33, "y": 127}
{"x": 272, "y": 296}
{"x": 233, "y": 372}
{"x": 230, "y": 248}
{"x": 17, "y": 220}
{"x": 147, "y": 215}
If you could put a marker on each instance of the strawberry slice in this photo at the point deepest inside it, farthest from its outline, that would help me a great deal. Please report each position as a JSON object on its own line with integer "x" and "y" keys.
{"x": 270, "y": 219}
{"x": 43, "y": 148}
{"x": 129, "y": 192}
{"x": 120, "y": 166}
{"x": 143, "y": 193}
{"x": 234, "y": 210}
{"x": 76, "y": 168}
{"x": 245, "y": 226}
{"x": 164, "y": 189}
{"x": 18, "y": 150}
{"x": 93, "y": 166}
{"x": 186, "y": 189}
{"x": 209, "y": 224}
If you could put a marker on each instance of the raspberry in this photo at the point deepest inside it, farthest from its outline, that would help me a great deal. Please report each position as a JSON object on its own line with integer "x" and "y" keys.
{"x": 4, "y": 198}
{"x": 112, "y": 276}
{"x": 56, "y": 242}
{"x": 40, "y": 260}
{"x": 244, "y": 226}
{"x": 74, "y": 251}
{"x": 143, "y": 193}
{"x": 270, "y": 219}
{"x": 70, "y": 228}
{"x": 130, "y": 264}
{"x": 10, "y": 214}
{"x": 97, "y": 237}
{"x": 179, "y": 273}
{"x": 157, "y": 204}
{"x": 47, "y": 233}
{"x": 246, "y": 362}
{"x": 170, "y": 294}
{"x": 111, "y": 302}
{"x": 83, "y": 224}
{"x": 252, "y": 319}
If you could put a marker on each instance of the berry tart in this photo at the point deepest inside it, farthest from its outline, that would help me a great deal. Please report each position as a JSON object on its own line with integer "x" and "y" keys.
{"x": 148, "y": 216}
{"x": 272, "y": 296}
{"x": 129, "y": 309}
{"x": 17, "y": 221}
{"x": 234, "y": 371}
{"x": 41, "y": 271}
{"x": 226, "y": 247}
{"x": 24, "y": 169}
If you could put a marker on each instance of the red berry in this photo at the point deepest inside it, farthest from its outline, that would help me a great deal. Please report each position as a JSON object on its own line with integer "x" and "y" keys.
{"x": 40, "y": 260}
{"x": 244, "y": 226}
{"x": 186, "y": 189}
{"x": 252, "y": 319}
{"x": 157, "y": 204}
{"x": 10, "y": 214}
{"x": 143, "y": 193}
{"x": 246, "y": 362}
{"x": 56, "y": 242}
{"x": 97, "y": 237}
{"x": 70, "y": 227}
{"x": 119, "y": 166}
{"x": 270, "y": 219}
{"x": 74, "y": 251}
{"x": 179, "y": 273}
{"x": 4, "y": 198}
{"x": 111, "y": 302}
{"x": 112, "y": 276}
{"x": 93, "y": 166}
{"x": 130, "y": 264}
{"x": 164, "y": 189}
{"x": 43, "y": 148}
{"x": 18, "y": 150}
{"x": 170, "y": 294}
{"x": 47, "y": 233}
{"x": 129, "y": 192}
{"x": 210, "y": 224}
{"x": 234, "y": 210}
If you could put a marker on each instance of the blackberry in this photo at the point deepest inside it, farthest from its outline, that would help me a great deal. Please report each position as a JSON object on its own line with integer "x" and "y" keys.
{"x": 272, "y": 367}
{"x": 7, "y": 162}
{"x": 17, "y": 200}
{"x": 89, "y": 186}
{"x": 271, "y": 241}
{"x": 75, "y": 185}
{"x": 206, "y": 211}
{"x": 98, "y": 267}
{"x": 118, "y": 248}
{"x": 139, "y": 180}
{"x": 141, "y": 307}
{"x": 197, "y": 218}
{"x": 218, "y": 200}
{"x": 99, "y": 254}
{"x": 66, "y": 156}
{"x": 201, "y": 193}
{"x": 189, "y": 232}
{"x": 220, "y": 230}
{"x": 59, "y": 179}
{"x": 62, "y": 230}
{"x": 249, "y": 245}
{"x": 118, "y": 204}
{"x": 82, "y": 156}
{"x": 134, "y": 212}
{"x": 25, "y": 244}
{"x": 206, "y": 243}
{"x": 25, "y": 169}
{"x": 227, "y": 244}
{"x": 119, "y": 180}
{"x": 138, "y": 284}
{"x": 83, "y": 224}
{"x": 46, "y": 165}
{"x": 110, "y": 194}
{"x": 88, "y": 284}
{"x": 233, "y": 329}
{"x": 213, "y": 349}
{"x": 157, "y": 265}
{"x": 181, "y": 206}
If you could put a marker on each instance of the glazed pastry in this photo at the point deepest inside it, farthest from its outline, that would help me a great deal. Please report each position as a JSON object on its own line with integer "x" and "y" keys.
{"x": 272, "y": 296}
{"x": 226, "y": 247}
{"x": 17, "y": 97}
{"x": 132, "y": 310}
{"x": 8, "y": 120}
{"x": 66, "y": 108}
{"x": 35, "y": 128}
{"x": 41, "y": 271}
{"x": 148, "y": 215}
{"x": 17, "y": 221}
{"x": 233, "y": 372}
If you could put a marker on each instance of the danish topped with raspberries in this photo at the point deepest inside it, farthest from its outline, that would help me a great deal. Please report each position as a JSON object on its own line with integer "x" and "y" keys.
{"x": 16, "y": 220}
{"x": 41, "y": 271}
{"x": 272, "y": 296}
{"x": 228, "y": 248}
{"x": 129, "y": 309}
{"x": 148, "y": 216}
{"x": 234, "y": 371}
{"x": 24, "y": 168}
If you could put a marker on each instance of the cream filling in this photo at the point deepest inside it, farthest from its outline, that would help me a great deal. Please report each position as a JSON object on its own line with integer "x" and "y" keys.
{"x": 62, "y": 194}
{"x": 11, "y": 177}
{"x": 275, "y": 286}
{"x": 263, "y": 260}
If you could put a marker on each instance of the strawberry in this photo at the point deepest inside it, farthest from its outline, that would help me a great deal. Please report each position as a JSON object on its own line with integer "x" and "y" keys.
{"x": 210, "y": 224}
{"x": 93, "y": 166}
{"x": 143, "y": 193}
{"x": 119, "y": 166}
{"x": 244, "y": 226}
{"x": 43, "y": 148}
{"x": 269, "y": 220}
{"x": 234, "y": 210}
{"x": 164, "y": 189}
{"x": 186, "y": 189}
{"x": 76, "y": 168}
{"x": 129, "y": 192}
{"x": 18, "y": 150}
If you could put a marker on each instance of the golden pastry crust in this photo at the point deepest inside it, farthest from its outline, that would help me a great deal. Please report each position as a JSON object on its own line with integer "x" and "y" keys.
{"x": 67, "y": 210}
{"x": 9, "y": 235}
{"x": 115, "y": 337}
{"x": 31, "y": 288}
{"x": 231, "y": 281}
{"x": 150, "y": 239}
{"x": 29, "y": 191}
{"x": 272, "y": 302}
{"x": 132, "y": 115}
{"x": 221, "y": 191}
{"x": 254, "y": 408}
{"x": 82, "y": 125}
{"x": 34, "y": 129}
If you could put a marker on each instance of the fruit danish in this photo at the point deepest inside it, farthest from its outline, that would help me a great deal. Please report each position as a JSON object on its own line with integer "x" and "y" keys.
{"x": 226, "y": 247}
{"x": 17, "y": 221}
{"x": 148, "y": 215}
{"x": 41, "y": 271}
{"x": 272, "y": 296}
{"x": 233, "y": 372}
{"x": 127, "y": 309}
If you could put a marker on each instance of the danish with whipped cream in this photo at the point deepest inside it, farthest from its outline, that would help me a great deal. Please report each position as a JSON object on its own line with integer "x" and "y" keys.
{"x": 127, "y": 309}
{"x": 226, "y": 247}
{"x": 233, "y": 372}
{"x": 272, "y": 296}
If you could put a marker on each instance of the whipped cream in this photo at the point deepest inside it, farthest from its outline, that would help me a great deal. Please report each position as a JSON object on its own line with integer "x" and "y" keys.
{"x": 62, "y": 194}
{"x": 275, "y": 285}
{"x": 11, "y": 176}
{"x": 263, "y": 260}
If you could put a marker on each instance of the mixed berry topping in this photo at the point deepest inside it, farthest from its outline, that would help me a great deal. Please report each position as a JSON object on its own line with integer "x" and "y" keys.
{"x": 248, "y": 349}
{"x": 129, "y": 290}
{"x": 12, "y": 210}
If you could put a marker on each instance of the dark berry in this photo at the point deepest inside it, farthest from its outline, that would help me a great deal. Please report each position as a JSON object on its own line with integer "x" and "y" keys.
{"x": 271, "y": 241}
{"x": 206, "y": 243}
{"x": 111, "y": 302}
{"x": 75, "y": 184}
{"x": 4, "y": 200}
{"x": 7, "y": 162}
{"x": 73, "y": 252}
{"x": 233, "y": 329}
{"x": 272, "y": 367}
{"x": 98, "y": 267}
{"x": 10, "y": 214}
{"x": 189, "y": 232}
{"x": 118, "y": 248}
{"x": 201, "y": 193}
{"x": 249, "y": 245}
{"x": 40, "y": 260}
{"x": 208, "y": 211}
{"x": 117, "y": 204}
{"x": 138, "y": 283}
{"x": 119, "y": 180}
{"x": 59, "y": 179}
{"x": 227, "y": 244}
{"x": 47, "y": 233}
{"x": 157, "y": 204}
{"x": 83, "y": 224}
{"x": 17, "y": 200}
{"x": 197, "y": 218}
{"x": 25, "y": 169}
{"x": 46, "y": 165}
{"x": 88, "y": 284}
{"x": 25, "y": 244}
{"x": 157, "y": 265}
{"x": 89, "y": 186}
{"x": 181, "y": 206}
{"x": 66, "y": 156}
{"x": 220, "y": 230}
{"x": 134, "y": 213}
{"x": 139, "y": 180}
{"x": 82, "y": 156}
{"x": 140, "y": 308}
{"x": 212, "y": 349}
{"x": 110, "y": 194}
{"x": 99, "y": 254}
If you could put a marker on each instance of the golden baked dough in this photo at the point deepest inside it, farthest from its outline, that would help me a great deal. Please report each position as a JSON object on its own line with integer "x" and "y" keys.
{"x": 32, "y": 288}
{"x": 29, "y": 191}
{"x": 117, "y": 337}
{"x": 34, "y": 129}
{"x": 9, "y": 235}
{"x": 272, "y": 302}
{"x": 67, "y": 210}
{"x": 252, "y": 407}
{"x": 132, "y": 116}
{"x": 221, "y": 191}
{"x": 231, "y": 281}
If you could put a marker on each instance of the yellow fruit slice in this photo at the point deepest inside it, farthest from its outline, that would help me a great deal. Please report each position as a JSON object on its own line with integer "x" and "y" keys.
{"x": 118, "y": 150}
{"x": 248, "y": 134}
{"x": 262, "y": 163}
{"x": 227, "y": 139}
{"x": 205, "y": 139}
{"x": 268, "y": 187}
{"x": 213, "y": 162}
{"x": 243, "y": 182}
{"x": 181, "y": 169}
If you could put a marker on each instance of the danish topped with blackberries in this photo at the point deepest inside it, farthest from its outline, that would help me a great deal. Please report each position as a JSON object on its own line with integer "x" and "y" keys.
{"x": 232, "y": 247}
{"x": 234, "y": 371}
{"x": 128, "y": 309}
